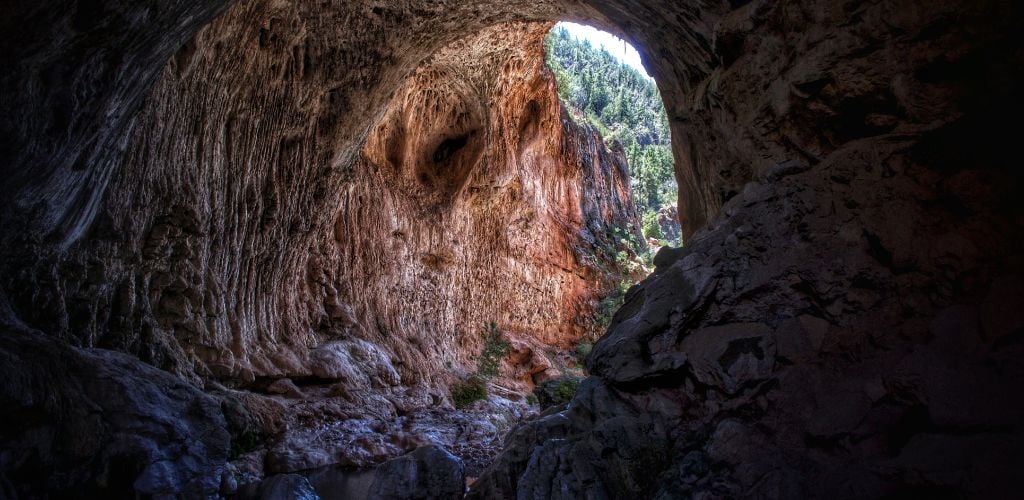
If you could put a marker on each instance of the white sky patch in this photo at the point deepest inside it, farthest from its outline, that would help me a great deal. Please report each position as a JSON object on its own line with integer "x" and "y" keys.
{"x": 615, "y": 46}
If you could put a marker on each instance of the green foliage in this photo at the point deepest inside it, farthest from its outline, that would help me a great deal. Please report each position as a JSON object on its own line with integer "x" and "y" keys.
{"x": 651, "y": 227}
{"x": 468, "y": 391}
{"x": 626, "y": 239}
{"x": 622, "y": 258}
{"x": 566, "y": 390}
{"x": 475, "y": 387}
{"x": 495, "y": 349}
{"x": 625, "y": 246}
{"x": 555, "y": 391}
{"x": 593, "y": 81}
{"x": 611, "y": 303}
{"x": 532, "y": 399}
{"x": 583, "y": 350}
{"x": 623, "y": 105}
{"x": 653, "y": 176}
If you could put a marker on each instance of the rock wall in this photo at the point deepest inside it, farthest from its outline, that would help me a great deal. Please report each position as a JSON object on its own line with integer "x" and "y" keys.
{"x": 210, "y": 257}
{"x": 478, "y": 199}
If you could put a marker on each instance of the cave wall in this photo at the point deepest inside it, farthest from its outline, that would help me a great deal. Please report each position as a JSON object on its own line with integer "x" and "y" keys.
{"x": 196, "y": 245}
{"x": 846, "y": 324}
{"x": 209, "y": 255}
{"x": 478, "y": 199}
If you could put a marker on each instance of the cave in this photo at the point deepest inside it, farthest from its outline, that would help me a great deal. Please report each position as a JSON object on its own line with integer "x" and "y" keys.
{"x": 212, "y": 208}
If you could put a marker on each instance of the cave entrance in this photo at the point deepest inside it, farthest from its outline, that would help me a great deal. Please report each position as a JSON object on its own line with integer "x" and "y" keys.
{"x": 602, "y": 82}
{"x": 603, "y": 86}
{"x": 492, "y": 227}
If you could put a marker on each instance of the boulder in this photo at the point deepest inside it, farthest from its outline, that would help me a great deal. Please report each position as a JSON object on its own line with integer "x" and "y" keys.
{"x": 428, "y": 473}
{"x": 283, "y": 487}
{"x": 81, "y": 414}
{"x": 358, "y": 363}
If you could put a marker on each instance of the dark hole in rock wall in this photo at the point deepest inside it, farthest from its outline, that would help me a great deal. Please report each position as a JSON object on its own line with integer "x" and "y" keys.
{"x": 449, "y": 147}
{"x": 528, "y": 126}
{"x": 449, "y": 164}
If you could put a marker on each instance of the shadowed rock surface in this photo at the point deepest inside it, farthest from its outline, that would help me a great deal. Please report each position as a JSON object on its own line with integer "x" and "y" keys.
{"x": 184, "y": 180}
{"x": 429, "y": 472}
{"x": 92, "y": 422}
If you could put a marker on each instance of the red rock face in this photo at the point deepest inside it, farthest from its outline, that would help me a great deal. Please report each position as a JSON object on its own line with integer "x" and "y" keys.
{"x": 477, "y": 199}
{"x": 239, "y": 237}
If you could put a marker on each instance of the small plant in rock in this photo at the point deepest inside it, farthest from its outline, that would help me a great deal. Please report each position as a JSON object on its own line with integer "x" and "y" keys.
{"x": 582, "y": 351}
{"x": 622, "y": 258}
{"x": 495, "y": 349}
{"x": 474, "y": 388}
{"x": 556, "y": 391}
{"x": 609, "y": 304}
{"x": 651, "y": 227}
{"x": 466, "y": 392}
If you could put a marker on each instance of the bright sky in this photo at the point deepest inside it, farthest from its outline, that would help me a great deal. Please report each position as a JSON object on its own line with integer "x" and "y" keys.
{"x": 614, "y": 45}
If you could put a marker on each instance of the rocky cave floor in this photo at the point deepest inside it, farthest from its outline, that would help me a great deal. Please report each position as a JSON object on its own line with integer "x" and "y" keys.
{"x": 337, "y": 438}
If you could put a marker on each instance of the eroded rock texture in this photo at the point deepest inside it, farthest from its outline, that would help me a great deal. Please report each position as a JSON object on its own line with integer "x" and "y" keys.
{"x": 846, "y": 325}
{"x": 478, "y": 199}
{"x": 474, "y": 200}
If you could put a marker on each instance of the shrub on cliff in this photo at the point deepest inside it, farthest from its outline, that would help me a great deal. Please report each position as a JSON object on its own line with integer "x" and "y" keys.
{"x": 609, "y": 304}
{"x": 556, "y": 391}
{"x": 495, "y": 349}
{"x": 475, "y": 387}
{"x": 651, "y": 227}
{"x": 583, "y": 350}
{"x": 466, "y": 392}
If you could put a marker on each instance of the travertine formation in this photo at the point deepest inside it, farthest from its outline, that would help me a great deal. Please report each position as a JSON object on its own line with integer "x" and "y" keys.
{"x": 245, "y": 235}
{"x": 478, "y": 199}
{"x": 844, "y": 321}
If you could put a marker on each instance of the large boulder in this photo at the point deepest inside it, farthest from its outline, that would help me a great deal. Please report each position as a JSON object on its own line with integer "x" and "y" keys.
{"x": 286, "y": 487}
{"x": 428, "y": 473}
{"x": 97, "y": 423}
{"x": 358, "y": 363}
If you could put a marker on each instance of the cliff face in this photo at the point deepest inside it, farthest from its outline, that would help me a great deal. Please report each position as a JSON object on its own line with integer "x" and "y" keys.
{"x": 843, "y": 322}
{"x": 477, "y": 199}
